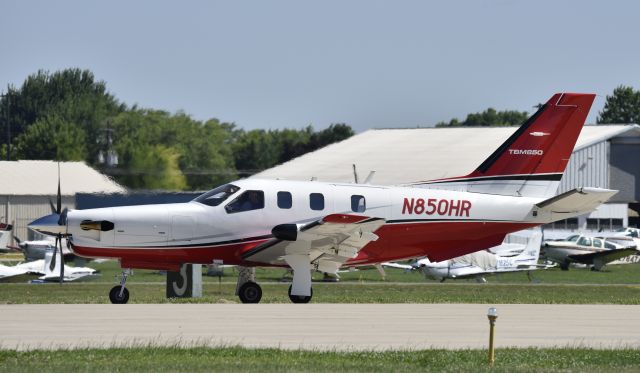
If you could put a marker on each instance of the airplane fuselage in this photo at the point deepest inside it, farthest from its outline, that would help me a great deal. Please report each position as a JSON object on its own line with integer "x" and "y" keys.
{"x": 440, "y": 224}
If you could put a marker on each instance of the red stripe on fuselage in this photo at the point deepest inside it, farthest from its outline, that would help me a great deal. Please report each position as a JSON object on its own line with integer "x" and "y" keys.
{"x": 436, "y": 240}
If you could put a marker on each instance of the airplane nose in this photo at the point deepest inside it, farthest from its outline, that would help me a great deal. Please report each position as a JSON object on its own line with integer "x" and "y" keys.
{"x": 52, "y": 224}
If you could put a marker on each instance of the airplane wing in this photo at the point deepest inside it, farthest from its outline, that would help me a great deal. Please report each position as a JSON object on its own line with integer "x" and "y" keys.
{"x": 577, "y": 201}
{"x": 37, "y": 266}
{"x": 7, "y": 271}
{"x": 605, "y": 256}
{"x": 329, "y": 242}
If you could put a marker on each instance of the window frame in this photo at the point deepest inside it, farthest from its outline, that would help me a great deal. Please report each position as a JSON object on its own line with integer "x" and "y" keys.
{"x": 311, "y": 205}
{"x": 360, "y": 198}
{"x": 283, "y": 192}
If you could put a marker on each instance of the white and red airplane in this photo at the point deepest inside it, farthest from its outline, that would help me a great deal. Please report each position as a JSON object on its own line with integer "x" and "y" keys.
{"x": 323, "y": 226}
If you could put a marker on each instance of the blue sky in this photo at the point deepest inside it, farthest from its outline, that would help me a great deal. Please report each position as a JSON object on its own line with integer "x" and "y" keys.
{"x": 370, "y": 64}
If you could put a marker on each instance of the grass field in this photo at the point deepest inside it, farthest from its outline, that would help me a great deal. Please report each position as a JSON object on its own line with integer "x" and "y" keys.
{"x": 618, "y": 285}
{"x": 236, "y": 359}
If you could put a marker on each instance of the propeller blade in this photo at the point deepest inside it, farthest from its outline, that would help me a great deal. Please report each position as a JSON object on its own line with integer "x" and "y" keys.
{"x": 59, "y": 198}
{"x": 53, "y": 208}
{"x": 61, "y": 261}
{"x": 52, "y": 265}
{"x": 63, "y": 217}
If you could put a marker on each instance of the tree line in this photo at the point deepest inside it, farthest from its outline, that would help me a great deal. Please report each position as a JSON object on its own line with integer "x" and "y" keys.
{"x": 621, "y": 107}
{"x": 68, "y": 115}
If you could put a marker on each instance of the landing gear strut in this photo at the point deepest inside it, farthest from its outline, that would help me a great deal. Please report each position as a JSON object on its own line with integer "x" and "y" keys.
{"x": 119, "y": 294}
{"x": 247, "y": 289}
{"x": 300, "y": 290}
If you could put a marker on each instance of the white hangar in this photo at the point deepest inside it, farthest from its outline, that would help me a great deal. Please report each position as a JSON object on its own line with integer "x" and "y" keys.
{"x": 605, "y": 156}
{"x": 26, "y": 187}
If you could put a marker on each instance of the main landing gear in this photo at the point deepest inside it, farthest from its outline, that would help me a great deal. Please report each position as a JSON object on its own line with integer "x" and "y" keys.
{"x": 120, "y": 294}
{"x": 300, "y": 290}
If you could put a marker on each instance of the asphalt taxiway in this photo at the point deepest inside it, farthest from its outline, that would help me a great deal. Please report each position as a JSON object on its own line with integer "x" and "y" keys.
{"x": 318, "y": 326}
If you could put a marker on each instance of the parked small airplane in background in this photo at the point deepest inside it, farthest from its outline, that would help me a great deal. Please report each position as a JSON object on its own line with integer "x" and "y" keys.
{"x": 51, "y": 273}
{"x": 36, "y": 249}
{"x": 482, "y": 263}
{"x": 326, "y": 226}
{"x": 5, "y": 237}
{"x": 594, "y": 251}
{"x": 633, "y": 233}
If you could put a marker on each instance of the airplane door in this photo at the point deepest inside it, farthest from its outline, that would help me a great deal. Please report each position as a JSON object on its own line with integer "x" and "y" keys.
{"x": 183, "y": 228}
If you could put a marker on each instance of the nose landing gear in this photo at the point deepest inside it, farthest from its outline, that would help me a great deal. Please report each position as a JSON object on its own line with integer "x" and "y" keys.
{"x": 120, "y": 294}
{"x": 247, "y": 289}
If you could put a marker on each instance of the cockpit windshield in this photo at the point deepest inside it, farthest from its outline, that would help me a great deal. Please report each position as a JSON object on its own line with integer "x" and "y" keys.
{"x": 216, "y": 196}
{"x": 573, "y": 238}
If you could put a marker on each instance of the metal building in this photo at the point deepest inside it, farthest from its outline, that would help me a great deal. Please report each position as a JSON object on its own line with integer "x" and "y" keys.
{"x": 27, "y": 187}
{"x": 605, "y": 156}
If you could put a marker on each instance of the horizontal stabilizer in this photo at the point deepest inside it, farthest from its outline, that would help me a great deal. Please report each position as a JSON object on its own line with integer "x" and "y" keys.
{"x": 577, "y": 201}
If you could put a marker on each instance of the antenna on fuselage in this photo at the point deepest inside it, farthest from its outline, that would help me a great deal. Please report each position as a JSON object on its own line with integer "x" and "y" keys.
{"x": 369, "y": 177}
{"x": 367, "y": 180}
{"x": 355, "y": 173}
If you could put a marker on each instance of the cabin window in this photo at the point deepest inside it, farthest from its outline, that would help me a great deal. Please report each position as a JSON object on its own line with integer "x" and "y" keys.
{"x": 247, "y": 201}
{"x": 597, "y": 242}
{"x": 284, "y": 200}
{"x": 316, "y": 201}
{"x": 609, "y": 245}
{"x": 217, "y": 195}
{"x": 358, "y": 203}
{"x": 584, "y": 241}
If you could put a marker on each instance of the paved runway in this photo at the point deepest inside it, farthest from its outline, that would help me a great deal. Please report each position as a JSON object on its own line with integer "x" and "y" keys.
{"x": 317, "y": 326}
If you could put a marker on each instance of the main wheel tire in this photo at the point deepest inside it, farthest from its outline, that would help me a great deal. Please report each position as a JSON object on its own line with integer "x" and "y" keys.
{"x": 564, "y": 266}
{"x": 116, "y": 298}
{"x": 250, "y": 292}
{"x": 300, "y": 298}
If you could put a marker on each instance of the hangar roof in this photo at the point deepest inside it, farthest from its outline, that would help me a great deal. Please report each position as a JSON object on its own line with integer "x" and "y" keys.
{"x": 406, "y": 155}
{"x": 41, "y": 178}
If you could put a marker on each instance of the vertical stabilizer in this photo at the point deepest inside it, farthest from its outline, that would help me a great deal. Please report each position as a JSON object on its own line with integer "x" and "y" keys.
{"x": 532, "y": 160}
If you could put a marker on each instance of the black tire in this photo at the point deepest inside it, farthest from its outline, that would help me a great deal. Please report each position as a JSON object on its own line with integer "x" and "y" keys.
{"x": 300, "y": 298}
{"x": 114, "y": 295}
{"x": 250, "y": 292}
{"x": 564, "y": 266}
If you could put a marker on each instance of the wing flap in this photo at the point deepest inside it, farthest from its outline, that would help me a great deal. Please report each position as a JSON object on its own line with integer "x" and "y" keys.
{"x": 329, "y": 242}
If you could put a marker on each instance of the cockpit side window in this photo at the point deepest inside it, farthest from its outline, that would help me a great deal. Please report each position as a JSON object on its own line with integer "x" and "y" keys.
{"x": 247, "y": 201}
{"x": 216, "y": 196}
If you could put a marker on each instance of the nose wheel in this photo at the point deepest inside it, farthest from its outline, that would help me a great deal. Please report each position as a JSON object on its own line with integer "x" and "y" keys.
{"x": 119, "y": 294}
{"x": 250, "y": 292}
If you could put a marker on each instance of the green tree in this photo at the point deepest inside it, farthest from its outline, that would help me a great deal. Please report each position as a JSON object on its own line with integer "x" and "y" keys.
{"x": 52, "y": 137}
{"x": 623, "y": 106}
{"x": 489, "y": 118}
{"x": 257, "y": 150}
{"x": 202, "y": 151}
{"x": 153, "y": 167}
{"x": 73, "y": 95}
